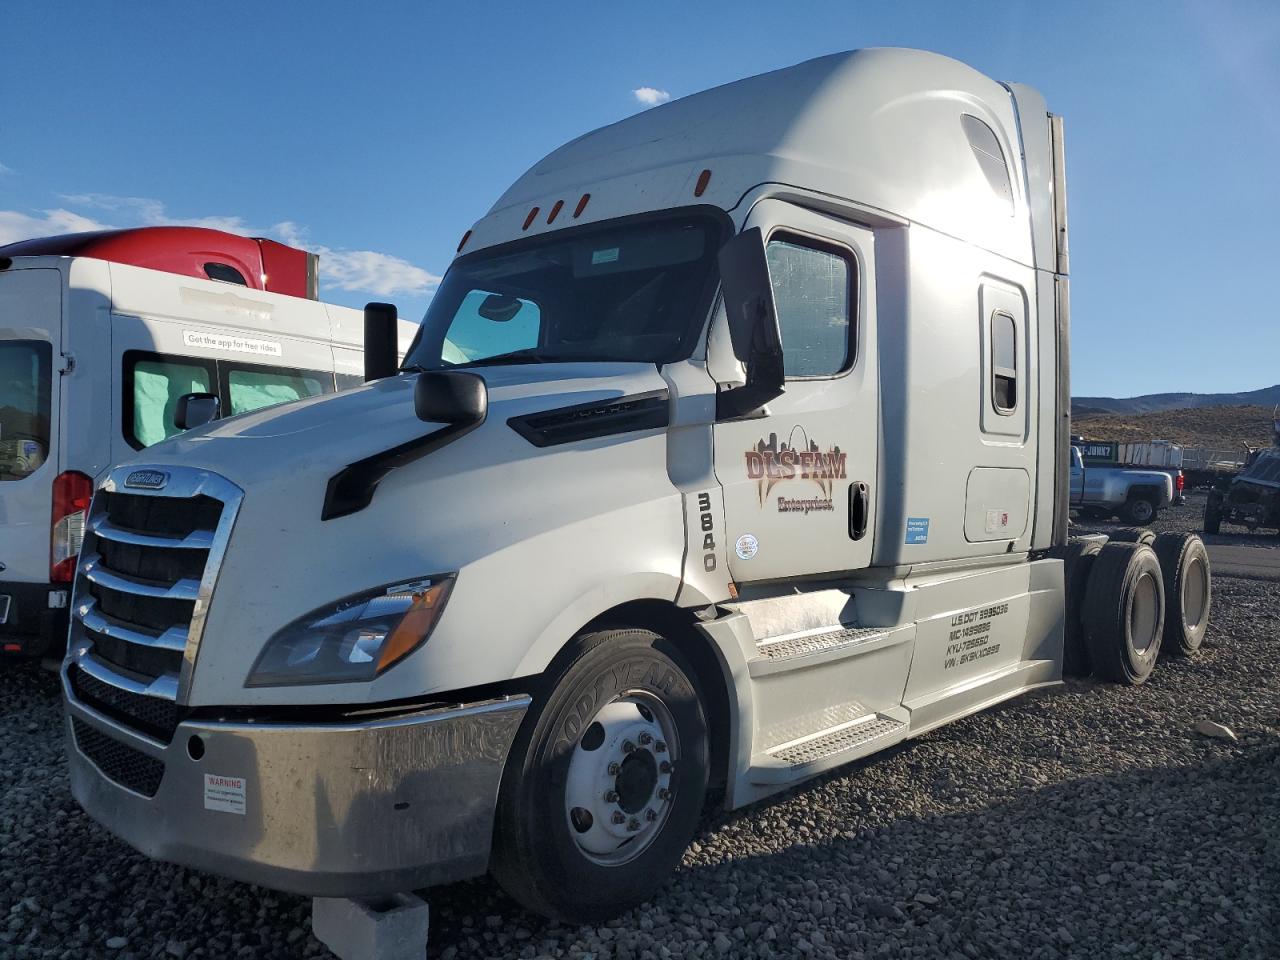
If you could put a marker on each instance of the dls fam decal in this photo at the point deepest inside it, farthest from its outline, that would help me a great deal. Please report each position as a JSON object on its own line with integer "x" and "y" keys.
{"x": 799, "y": 459}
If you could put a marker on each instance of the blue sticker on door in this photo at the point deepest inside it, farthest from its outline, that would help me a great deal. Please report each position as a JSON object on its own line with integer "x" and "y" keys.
{"x": 917, "y": 530}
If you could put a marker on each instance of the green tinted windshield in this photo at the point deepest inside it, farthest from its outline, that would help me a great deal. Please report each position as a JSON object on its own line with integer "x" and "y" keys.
{"x": 25, "y": 370}
{"x": 634, "y": 291}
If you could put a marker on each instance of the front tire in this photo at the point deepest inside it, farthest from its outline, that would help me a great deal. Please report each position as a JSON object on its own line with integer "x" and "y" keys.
{"x": 605, "y": 782}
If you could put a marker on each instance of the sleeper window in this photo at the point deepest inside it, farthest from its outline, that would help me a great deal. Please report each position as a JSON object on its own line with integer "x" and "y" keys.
{"x": 1004, "y": 364}
{"x": 812, "y": 290}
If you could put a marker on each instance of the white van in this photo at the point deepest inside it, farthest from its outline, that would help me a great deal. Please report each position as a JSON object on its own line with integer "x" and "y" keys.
{"x": 94, "y": 358}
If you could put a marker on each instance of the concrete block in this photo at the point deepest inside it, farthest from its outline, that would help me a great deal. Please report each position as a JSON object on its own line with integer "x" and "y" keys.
{"x": 386, "y": 928}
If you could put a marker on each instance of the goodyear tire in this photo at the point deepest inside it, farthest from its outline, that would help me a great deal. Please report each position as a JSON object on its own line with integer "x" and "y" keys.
{"x": 605, "y": 782}
{"x": 1077, "y": 560}
{"x": 1139, "y": 511}
{"x": 1123, "y": 614}
{"x": 1133, "y": 535}
{"x": 1184, "y": 562}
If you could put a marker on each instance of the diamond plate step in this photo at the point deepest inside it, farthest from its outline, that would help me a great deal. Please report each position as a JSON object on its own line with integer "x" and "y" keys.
{"x": 775, "y": 655}
{"x": 805, "y": 644}
{"x": 788, "y": 762}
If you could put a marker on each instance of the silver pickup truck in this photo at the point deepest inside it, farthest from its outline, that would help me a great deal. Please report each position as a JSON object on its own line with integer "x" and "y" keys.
{"x": 1136, "y": 496}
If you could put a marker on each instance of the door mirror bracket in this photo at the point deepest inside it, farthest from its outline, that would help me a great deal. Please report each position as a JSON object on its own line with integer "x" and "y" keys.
{"x": 753, "y": 326}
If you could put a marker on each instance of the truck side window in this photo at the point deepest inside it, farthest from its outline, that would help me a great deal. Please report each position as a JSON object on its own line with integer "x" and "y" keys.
{"x": 812, "y": 289}
{"x": 255, "y": 387}
{"x": 1004, "y": 364}
{"x": 152, "y": 385}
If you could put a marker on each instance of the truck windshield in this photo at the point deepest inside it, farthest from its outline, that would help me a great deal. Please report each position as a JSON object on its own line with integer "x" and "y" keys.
{"x": 627, "y": 291}
{"x": 25, "y": 369}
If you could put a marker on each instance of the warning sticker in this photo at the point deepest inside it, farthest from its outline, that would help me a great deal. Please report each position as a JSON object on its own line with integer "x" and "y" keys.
{"x": 224, "y": 793}
{"x": 231, "y": 343}
{"x": 997, "y": 521}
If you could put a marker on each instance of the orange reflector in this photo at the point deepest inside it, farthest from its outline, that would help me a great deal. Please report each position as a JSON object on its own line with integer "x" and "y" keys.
{"x": 555, "y": 211}
{"x": 529, "y": 219}
{"x": 414, "y": 625}
{"x": 733, "y": 590}
{"x": 582, "y": 205}
{"x": 463, "y": 242}
{"x": 703, "y": 179}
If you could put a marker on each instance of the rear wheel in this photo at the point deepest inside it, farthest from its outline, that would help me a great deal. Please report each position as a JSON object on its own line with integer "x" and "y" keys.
{"x": 1184, "y": 562}
{"x": 605, "y": 782}
{"x": 1123, "y": 614}
{"x": 1138, "y": 510}
{"x": 1077, "y": 560}
{"x": 1212, "y": 515}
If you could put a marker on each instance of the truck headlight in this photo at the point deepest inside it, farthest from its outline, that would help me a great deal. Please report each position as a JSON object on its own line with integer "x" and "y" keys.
{"x": 354, "y": 639}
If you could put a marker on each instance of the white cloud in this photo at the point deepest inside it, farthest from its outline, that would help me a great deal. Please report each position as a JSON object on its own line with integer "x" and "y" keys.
{"x": 353, "y": 270}
{"x": 650, "y": 96}
{"x": 15, "y": 225}
{"x": 4, "y": 170}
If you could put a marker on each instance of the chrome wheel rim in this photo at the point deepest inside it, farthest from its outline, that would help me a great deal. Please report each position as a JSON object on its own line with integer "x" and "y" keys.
{"x": 619, "y": 794}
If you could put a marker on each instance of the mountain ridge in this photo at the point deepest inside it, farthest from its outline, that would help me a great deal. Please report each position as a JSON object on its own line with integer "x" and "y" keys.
{"x": 1157, "y": 402}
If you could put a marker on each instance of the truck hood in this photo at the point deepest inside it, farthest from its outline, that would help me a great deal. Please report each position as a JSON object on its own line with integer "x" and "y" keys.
{"x": 324, "y": 434}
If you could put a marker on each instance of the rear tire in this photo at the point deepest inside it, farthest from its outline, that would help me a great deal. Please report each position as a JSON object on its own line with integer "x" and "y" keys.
{"x": 1184, "y": 562}
{"x": 1212, "y": 515}
{"x": 1077, "y": 560}
{"x": 1123, "y": 612}
{"x": 1133, "y": 535}
{"x": 1139, "y": 511}
{"x": 595, "y": 748}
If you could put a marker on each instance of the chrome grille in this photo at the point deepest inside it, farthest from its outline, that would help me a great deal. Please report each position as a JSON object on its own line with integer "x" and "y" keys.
{"x": 147, "y": 571}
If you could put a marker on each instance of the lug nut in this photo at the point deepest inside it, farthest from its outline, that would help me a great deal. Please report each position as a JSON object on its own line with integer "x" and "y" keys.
{"x": 628, "y": 746}
{"x": 633, "y": 825}
{"x": 645, "y": 739}
{"x": 664, "y": 794}
{"x": 651, "y": 815}
{"x": 618, "y": 817}
{"x": 660, "y": 746}
{"x": 611, "y": 796}
{"x": 664, "y": 766}
{"x": 613, "y": 769}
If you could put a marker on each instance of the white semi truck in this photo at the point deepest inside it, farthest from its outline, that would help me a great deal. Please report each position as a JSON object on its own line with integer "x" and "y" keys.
{"x": 732, "y": 448}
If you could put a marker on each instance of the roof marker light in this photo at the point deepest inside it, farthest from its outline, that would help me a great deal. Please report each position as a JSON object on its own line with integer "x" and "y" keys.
{"x": 463, "y": 242}
{"x": 703, "y": 179}
{"x": 582, "y": 205}
{"x": 529, "y": 219}
{"x": 555, "y": 211}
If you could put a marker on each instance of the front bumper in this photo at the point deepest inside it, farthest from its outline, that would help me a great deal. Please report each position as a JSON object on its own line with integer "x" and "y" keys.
{"x": 332, "y": 810}
{"x": 35, "y": 621}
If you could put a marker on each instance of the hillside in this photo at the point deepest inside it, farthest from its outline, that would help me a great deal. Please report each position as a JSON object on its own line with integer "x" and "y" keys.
{"x": 1219, "y": 427}
{"x": 1153, "y": 402}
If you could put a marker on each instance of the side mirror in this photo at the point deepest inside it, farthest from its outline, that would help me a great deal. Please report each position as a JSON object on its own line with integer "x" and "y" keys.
{"x": 381, "y": 341}
{"x": 195, "y": 410}
{"x": 450, "y": 396}
{"x": 753, "y": 325}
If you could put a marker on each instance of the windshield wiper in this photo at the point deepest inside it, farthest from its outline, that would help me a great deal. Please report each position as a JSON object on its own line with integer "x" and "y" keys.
{"x": 527, "y": 355}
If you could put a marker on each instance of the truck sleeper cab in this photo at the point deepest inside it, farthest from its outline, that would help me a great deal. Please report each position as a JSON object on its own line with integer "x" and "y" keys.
{"x": 101, "y": 334}
{"x": 727, "y": 452}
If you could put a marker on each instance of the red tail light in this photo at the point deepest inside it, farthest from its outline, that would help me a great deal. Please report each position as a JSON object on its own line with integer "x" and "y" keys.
{"x": 1180, "y": 481}
{"x": 71, "y": 495}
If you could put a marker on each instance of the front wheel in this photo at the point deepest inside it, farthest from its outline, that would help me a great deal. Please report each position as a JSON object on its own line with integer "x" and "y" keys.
{"x": 605, "y": 782}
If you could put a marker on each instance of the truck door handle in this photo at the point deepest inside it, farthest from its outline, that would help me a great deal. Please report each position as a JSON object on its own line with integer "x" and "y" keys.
{"x": 859, "y": 509}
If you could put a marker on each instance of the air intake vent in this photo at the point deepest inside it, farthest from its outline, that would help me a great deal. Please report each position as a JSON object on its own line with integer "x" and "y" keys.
{"x": 589, "y": 421}
{"x": 130, "y": 768}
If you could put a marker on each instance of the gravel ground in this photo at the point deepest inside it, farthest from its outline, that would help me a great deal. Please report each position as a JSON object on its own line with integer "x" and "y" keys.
{"x": 1089, "y": 821}
{"x": 1189, "y": 518}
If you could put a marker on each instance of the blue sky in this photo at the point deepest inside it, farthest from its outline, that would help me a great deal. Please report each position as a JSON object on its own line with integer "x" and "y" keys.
{"x": 377, "y": 133}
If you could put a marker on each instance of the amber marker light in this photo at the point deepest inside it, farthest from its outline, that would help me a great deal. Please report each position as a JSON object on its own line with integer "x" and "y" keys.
{"x": 415, "y": 625}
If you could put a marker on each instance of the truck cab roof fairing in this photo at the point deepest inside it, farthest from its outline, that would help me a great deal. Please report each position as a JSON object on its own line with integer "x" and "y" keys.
{"x": 862, "y": 125}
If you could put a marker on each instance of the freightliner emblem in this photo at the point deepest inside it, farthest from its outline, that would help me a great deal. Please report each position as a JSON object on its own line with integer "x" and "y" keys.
{"x": 150, "y": 479}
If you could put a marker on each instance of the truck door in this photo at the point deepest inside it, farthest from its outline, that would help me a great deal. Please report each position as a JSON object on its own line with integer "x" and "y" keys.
{"x": 799, "y": 483}
{"x": 30, "y": 356}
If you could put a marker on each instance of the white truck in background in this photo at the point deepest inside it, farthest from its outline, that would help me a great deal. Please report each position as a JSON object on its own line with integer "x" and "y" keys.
{"x": 732, "y": 448}
{"x": 101, "y": 337}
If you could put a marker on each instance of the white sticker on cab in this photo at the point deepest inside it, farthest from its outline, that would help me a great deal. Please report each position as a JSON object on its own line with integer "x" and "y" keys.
{"x": 225, "y": 794}
{"x": 198, "y": 340}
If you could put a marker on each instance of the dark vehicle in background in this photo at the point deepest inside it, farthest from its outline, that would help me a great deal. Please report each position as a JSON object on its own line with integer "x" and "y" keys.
{"x": 1251, "y": 498}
